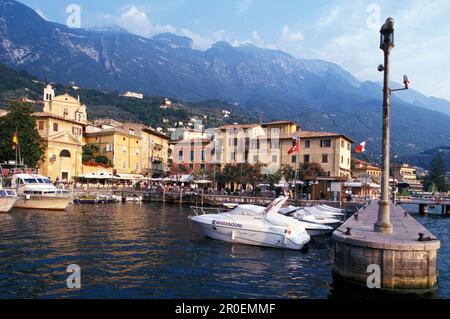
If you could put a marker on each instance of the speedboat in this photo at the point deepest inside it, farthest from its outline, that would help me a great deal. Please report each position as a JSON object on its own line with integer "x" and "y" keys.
{"x": 313, "y": 216}
{"x": 329, "y": 208}
{"x": 253, "y": 225}
{"x": 134, "y": 199}
{"x": 8, "y": 199}
{"x": 38, "y": 192}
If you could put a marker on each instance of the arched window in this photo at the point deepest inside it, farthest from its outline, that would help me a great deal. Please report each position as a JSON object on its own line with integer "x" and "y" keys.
{"x": 64, "y": 153}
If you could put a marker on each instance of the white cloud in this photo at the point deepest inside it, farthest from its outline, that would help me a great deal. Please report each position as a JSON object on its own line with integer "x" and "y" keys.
{"x": 243, "y": 6}
{"x": 138, "y": 22}
{"x": 200, "y": 42}
{"x": 289, "y": 36}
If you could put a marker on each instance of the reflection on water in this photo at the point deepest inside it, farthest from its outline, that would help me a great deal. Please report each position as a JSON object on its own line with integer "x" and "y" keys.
{"x": 153, "y": 251}
{"x": 146, "y": 251}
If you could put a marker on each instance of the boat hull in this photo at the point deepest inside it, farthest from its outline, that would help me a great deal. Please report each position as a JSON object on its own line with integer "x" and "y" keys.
{"x": 248, "y": 236}
{"x": 6, "y": 204}
{"x": 43, "y": 203}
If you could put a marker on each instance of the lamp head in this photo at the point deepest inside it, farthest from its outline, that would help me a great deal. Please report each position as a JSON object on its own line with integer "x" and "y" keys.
{"x": 388, "y": 26}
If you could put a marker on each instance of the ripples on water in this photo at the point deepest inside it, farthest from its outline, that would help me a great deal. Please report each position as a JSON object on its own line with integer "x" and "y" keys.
{"x": 153, "y": 251}
{"x": 146, "y": 251}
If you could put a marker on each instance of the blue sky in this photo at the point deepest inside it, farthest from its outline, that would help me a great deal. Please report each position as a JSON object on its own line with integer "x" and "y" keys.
{"x": 344, "y": 32}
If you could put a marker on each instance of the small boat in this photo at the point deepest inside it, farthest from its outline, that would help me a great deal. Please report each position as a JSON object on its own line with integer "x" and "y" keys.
{"x": 304, "y": 215}
{"x": 313, "y": 216}
{"x": 253, "y": 225}
{"x": 135, "y": 199}
{"x": 8, "y": 199}
{"x": 100, "y": 199}
{"x": 330, "y": 209}
{"x": 38, "y": 192}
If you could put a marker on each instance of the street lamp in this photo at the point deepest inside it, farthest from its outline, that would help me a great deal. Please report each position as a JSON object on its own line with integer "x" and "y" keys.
{"x": 383, "y": 224}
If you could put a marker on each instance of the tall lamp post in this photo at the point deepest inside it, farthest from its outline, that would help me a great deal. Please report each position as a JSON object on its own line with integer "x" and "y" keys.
{"x": 383, "y": 224}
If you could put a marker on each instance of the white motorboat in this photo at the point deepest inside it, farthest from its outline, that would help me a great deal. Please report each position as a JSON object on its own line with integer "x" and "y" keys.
{"x": 8, "y": 199}
{"x": 38, "y": 192}
{"x": 307, "y": 216}
{"x": 253, "y": 225}
{"x": 323, "y": 213}
{"x": 134, "y": 199}
{"x": 329, "y": 208}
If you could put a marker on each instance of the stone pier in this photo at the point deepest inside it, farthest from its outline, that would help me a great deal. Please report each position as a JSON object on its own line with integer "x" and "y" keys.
{"x": 406, "y": 258}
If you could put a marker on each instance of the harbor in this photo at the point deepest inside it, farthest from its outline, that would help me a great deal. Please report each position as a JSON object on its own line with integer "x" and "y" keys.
{"x": 151, "y": 250}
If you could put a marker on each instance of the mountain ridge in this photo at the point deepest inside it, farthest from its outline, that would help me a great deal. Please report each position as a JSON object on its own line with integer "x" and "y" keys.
{"x": 318, "y": 94}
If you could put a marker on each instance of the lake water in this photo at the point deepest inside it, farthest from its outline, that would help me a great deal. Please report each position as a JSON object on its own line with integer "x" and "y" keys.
{"x": 153, "y": 251}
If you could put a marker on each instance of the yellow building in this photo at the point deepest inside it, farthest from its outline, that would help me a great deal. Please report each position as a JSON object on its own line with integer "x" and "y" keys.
{"x": 364, "y": 169}
{"x": 406, "y": 176}
{"x": 269, "y": 144}
{"x": 332, "y": 151}
{"x": 131, "y": 148}
{"x": 61, "y": 125}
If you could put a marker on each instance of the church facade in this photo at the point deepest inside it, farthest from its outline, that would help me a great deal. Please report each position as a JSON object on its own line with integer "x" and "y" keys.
{"x": 61, "y": 124}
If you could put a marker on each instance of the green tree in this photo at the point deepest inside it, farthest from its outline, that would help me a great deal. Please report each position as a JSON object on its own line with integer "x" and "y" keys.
{"x": 287, "y": 172}
{"x": 90, "y": 151}
{"x": 437, "y": 173}
{"x": 102, "y": 160}
{"x": 32, "y": 148}
{"x": 310, "y": 170}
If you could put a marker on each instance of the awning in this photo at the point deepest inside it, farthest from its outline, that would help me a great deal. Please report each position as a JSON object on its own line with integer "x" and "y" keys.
{"x": 131, "y": 177}
{"x": 98, "y": 175}
{"x": 203, "y": 182}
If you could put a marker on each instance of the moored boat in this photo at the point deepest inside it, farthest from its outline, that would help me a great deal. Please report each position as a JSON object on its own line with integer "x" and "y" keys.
{"x": 38, "y": 192}
{"x": 253, "y": 225}
{"x": 8, "y": 199}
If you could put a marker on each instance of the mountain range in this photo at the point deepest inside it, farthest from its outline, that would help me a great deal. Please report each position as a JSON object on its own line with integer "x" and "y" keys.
{"x": 318, "y": 94}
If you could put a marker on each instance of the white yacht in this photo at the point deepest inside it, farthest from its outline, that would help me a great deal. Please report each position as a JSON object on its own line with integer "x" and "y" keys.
{"x": 8, "y": 199}
{"x": 314, "y": 216}
{"x": 253, "y": 225}
{"x": 38, "y": 192}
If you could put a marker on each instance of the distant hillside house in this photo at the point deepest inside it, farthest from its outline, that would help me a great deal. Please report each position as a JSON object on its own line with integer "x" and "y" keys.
{"x": 166, "y": 104}
{"x": 133, "y": 95}
{"x": 364, "y": 169}
{"x": 3, "y": 113}
{"x": 61, "y": 125}
{"x": 406, "y": 177}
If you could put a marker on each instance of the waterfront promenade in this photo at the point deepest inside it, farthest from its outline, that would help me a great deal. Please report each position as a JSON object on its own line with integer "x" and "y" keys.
{"x": 206, "y": 199}
{"x": 407, "y": 257}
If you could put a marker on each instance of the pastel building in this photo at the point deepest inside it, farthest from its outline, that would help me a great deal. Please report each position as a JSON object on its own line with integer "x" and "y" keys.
{"x": 61, "y": 125}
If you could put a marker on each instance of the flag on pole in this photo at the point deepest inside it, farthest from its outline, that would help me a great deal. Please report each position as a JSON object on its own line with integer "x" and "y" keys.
{"x": 15, "y": 140}
{"x": 295, "y": 148}
{"x": 361, "y": 148}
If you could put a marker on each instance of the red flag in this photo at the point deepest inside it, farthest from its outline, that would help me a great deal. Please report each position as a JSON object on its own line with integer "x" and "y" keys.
{"x": 361, "y": 148}
{"x": 295, "y": 148}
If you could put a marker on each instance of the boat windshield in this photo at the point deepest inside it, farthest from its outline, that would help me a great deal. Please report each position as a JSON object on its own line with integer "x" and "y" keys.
{"x": 7, "y": 193}
{"x": 30, "y": 181}
{"x": 248, "y": 210}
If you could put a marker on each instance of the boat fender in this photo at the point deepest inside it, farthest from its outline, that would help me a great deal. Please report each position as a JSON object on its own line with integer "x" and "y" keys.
{"x": 233, "y": 235}
{"x": 28, "y": 197}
